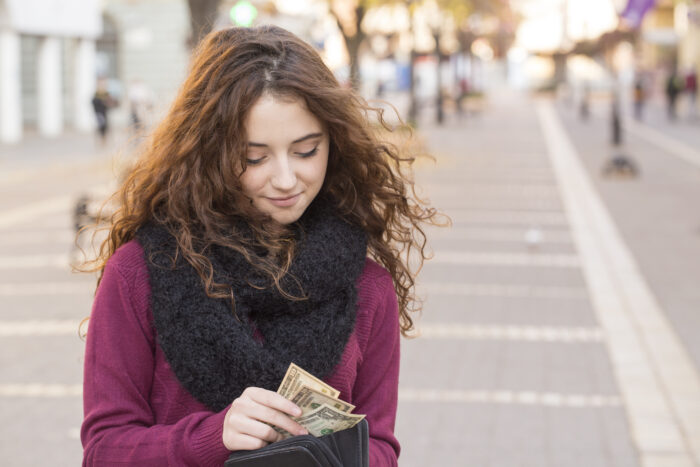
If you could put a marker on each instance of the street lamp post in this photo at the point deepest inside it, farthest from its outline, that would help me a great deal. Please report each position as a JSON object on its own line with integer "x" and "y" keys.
{"x": 439, "y": 100}
{"x": 412, "y": 109}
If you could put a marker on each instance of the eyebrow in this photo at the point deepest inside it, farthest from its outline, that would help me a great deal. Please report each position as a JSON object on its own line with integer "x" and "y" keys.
{"x": 303, "y": 138}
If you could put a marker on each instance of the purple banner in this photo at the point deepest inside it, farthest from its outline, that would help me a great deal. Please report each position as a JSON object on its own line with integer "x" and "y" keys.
{"x": 635, "y": 10}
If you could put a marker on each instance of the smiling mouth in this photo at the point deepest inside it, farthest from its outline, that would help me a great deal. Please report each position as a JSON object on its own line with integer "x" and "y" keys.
{"x": 285, "y": 202}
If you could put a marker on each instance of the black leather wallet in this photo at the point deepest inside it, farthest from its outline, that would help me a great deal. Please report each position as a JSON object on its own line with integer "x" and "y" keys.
{"x": 347, "y": 448}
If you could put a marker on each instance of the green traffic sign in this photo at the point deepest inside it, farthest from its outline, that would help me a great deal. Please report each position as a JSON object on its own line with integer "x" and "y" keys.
{"x": 243, "y": 13}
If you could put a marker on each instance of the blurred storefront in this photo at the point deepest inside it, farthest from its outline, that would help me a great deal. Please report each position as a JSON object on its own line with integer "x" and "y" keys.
{"x": 687, "y": 25}
{"x": 658, "y": 41}
{"x": 669, "y": 40}
{"x": 47, "y": 62}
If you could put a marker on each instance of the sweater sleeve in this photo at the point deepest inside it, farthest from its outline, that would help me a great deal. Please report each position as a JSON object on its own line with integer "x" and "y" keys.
{"x": 375, "y": 392}
{"x": 119, "y": 426}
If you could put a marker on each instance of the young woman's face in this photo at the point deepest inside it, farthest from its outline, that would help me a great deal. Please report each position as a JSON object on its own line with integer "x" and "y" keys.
{"x": 287, "y": 157}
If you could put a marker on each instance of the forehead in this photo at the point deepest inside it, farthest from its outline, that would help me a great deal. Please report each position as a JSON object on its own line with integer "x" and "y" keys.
{"x": 274, "y": 120}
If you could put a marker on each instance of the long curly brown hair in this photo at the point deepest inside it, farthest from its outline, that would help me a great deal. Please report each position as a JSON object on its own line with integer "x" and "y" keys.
{"x": 187, "y": 176}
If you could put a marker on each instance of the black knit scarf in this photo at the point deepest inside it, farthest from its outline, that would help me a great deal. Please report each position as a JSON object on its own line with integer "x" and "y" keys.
{"x": 214, "y": 353}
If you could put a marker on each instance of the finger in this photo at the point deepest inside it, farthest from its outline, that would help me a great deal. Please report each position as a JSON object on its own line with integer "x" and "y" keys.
{"x": 273, "y": 400}
{"x": 278, "y": 419}
{"x": 251, "y": 427}
{"x": 243, "y": 442}
{"x": 246, "y": 408}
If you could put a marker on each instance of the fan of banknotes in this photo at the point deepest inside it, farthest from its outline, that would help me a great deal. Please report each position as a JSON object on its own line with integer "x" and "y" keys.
{"x": 322, "y": 413}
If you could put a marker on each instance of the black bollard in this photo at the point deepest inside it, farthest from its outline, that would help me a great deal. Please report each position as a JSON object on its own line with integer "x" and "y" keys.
{"x": 616, "y": 125}
{"x": 620, "y": 165}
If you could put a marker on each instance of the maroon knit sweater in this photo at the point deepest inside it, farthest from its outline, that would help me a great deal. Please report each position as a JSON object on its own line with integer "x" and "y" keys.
{"x": 137, "y": 413}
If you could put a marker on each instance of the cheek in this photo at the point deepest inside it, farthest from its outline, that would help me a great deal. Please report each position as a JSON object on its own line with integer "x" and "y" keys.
{"x": 317, "y": 172}
{"x": 251, "y": 181}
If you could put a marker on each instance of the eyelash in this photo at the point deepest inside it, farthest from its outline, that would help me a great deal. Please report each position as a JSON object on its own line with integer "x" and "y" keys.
{"x": 302, "y": 154}
{"x": 310, "y": 153}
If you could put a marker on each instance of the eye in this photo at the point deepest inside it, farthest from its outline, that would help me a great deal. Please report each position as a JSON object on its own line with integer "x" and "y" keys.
{"x": 310, "y": 153}
{"x": 254, "y": 160}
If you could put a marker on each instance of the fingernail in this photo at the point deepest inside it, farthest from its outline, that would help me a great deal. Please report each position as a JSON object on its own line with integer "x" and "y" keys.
{"x": 297, "y": 411}
{"x": 303, "y": 432}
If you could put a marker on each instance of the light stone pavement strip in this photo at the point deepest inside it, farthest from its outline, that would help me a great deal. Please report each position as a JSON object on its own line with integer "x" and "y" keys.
{"x": 58, "y": 236}
{"x": 678, "y": 148}
{"x": 537, "y": 218}
{"x": 35, "y": 261}
{"x": 499, "y": 235}
{"x": 659, "y": 383}
{"x": 512, "y": 333}
{"x": 44, "y": 327}
{"x": 508, "y": 397}
{"x": 505, "y": 259}
{"x": 501, "y": 290}
{"x": 45, "y": 288}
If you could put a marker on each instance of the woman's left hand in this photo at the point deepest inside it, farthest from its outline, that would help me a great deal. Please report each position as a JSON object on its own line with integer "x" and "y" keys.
{"x": 247, "y": 422}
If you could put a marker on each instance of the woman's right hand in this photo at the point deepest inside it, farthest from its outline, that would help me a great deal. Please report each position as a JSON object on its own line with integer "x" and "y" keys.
{"x": 246, "y": 423}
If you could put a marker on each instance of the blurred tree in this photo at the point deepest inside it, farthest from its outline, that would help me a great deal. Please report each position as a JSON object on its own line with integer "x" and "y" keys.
{"x": 466, "y": 14}
{"x": 349, "y": 15}
{"x": 203, "y": 14}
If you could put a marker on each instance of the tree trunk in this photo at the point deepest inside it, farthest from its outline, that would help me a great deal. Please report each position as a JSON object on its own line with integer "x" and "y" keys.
{"x": 203, "y": 14}
{"x": 353, "y": 43}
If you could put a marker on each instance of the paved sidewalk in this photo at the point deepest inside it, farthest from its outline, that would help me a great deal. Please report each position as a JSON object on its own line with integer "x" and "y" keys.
{"x": 519, "y": 362}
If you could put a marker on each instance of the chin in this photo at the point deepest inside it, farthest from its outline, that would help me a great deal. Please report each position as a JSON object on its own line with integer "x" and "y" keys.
{"x": 286, "y": 217}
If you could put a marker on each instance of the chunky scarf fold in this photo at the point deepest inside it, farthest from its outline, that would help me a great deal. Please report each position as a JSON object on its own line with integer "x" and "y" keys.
{"x": 215, "y": 354}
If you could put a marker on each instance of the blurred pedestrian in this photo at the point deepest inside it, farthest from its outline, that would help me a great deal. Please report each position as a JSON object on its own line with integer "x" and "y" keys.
{"x": 673, "y": 89}
{"x": 639, "y": 97}
{"x": 462, "y": 95}
{"x": 691, "y": 87}
{"x": 585, "y": 104}
{"x": 140, "y": 105}
{"x": 102, "y": 102}
{"x": 243, "y": 243}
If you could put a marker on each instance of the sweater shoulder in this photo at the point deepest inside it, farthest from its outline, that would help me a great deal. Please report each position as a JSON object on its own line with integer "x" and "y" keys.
{"x": 375, "y": 279}
{"x": 376, "y": 299}
{"x": 128, "y": 258}
{"x": 129, "y": 263}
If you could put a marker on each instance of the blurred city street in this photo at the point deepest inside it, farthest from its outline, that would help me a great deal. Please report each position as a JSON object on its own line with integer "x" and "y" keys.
{"x": 560, "y": 307}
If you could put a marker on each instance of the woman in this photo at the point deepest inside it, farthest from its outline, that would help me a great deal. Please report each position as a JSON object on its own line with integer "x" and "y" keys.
{"x": 242, "y": 244}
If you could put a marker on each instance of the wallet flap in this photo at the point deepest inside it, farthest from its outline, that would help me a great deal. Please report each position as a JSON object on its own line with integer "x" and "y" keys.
{"x": 298, "y": 451}
{"x": 288, "y": 456}
{"x": 350, "y": 446}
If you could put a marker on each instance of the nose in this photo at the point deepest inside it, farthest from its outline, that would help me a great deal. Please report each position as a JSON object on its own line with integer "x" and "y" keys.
{"x": 284, "y": 177}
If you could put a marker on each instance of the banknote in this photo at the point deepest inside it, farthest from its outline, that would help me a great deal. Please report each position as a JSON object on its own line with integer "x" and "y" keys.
{"x": 326, "y": 420}
{"x": 309, "y": 399}
{"x": 295, "y": 378}
{"x": 322, "y": 412}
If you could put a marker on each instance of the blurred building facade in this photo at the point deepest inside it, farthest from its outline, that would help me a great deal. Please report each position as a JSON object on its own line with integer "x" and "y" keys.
{"x": 687, "y": 16}
{"x": 669, "y": 40}
{"x": 47, "y": 62}
{"x": 658, "y": 40}
{"x": 52, "y": 53}
{"x": 145, "y": 42}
